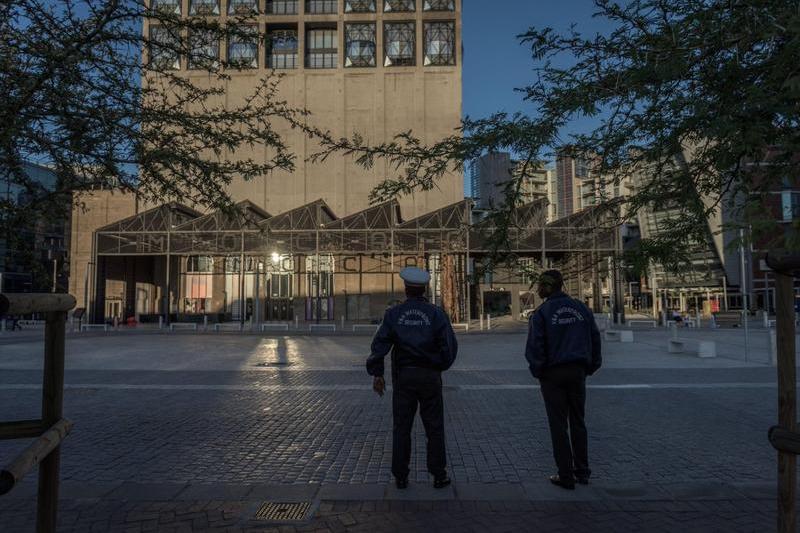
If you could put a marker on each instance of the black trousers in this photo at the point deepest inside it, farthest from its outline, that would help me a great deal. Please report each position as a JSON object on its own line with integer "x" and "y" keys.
{"x": 564, "y": 393}
{"x": 414, "y": 386}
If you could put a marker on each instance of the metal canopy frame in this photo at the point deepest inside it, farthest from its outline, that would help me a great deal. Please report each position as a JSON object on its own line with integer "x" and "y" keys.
{"x": 175, "y": 229}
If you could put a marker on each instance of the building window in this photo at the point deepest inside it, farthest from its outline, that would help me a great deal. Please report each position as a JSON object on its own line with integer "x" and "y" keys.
{"x": 282, "y": 49}
{"x": 199, "y": 264}
{"x": 440, "y": 43}
{"x": 167, "y": 6}
{"x": 164, "y": 46}
{"x": 790, "y": 205}
{"x": 360, "y": 45}
{"x": 243, "y": 48}
{"x": 282, "y": 7}
{"x": 392, "y": 6}
{"x": 203, "y": 49}
{"x": 321, "y": 7}
{"x": 439, "y": 5}
{"x": 399, "y": 41}
{"x": 242, "y": 8}
{"x": 359, "y": 6}
{"x": 322, "y": 45}
{"x": 204, "y": 7}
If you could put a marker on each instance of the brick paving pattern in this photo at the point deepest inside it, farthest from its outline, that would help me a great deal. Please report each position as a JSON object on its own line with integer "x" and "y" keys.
{"x": 176, "y": 433}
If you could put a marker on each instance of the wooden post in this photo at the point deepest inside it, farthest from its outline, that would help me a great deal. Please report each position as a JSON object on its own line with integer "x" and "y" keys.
{"x": 787, "y": 398}
{"x": 52, "y": 407}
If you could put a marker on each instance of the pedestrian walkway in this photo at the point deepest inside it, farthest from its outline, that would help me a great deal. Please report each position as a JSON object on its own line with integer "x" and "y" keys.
{"x": 531, "y": 506}
{"x": 195, "y": 432}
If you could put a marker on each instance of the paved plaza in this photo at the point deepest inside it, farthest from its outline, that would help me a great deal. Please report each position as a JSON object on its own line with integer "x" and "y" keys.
{"x": 192, "y": 431}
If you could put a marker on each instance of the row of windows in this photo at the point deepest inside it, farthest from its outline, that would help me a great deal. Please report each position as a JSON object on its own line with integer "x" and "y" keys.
{"x": 289, "y": 7}
{"x": 399, "y": 47}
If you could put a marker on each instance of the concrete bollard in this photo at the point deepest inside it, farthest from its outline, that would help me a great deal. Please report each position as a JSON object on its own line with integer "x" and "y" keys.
{"x": 205, "y": 322}
{"x": 342, "y": 322}
{"x": 488, "y": 321}
{"x": 116, "y": 324}
{"x": 296, "y": 322}
{"x": 160, "y": 322}
{"x": 480, "y": 318}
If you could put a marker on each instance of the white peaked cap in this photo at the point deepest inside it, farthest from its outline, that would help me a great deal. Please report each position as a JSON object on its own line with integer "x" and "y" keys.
{"x": 415, "y": 276}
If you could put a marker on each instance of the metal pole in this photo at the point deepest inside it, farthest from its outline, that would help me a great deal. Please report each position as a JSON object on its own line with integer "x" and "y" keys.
{"x": 544, "y": 249}
{"x": 319, "y": 281}
{"x": 653, "y": 292}
{"x": 743, "y": 273}
{"x": 467, "y": 299}
{"x": 242, "y": 297}
{"x": 90, "y": 308}
{"x": 257, "y": 297}
{"x": 725, "y": 293}
{"x": 55, "y": 274}
{"x": 787, "y": 397}
{"x": 52, "y": 410}
{"x": 167, "y": 293}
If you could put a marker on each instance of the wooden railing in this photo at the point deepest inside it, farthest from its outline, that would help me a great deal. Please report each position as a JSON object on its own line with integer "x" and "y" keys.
{"x": 51, "y": 429}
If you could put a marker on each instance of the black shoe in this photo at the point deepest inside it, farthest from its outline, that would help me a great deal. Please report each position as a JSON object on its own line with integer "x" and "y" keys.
{"x": 402, "y": 483}
{"x": 564, "y": 484}
{"x": 441, "y": 482}
{"x": 583, "y": 480}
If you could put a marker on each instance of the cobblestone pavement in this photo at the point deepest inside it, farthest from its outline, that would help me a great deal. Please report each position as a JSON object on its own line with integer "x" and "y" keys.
{"x": 424, "y": 516}
{"x": 676, "y": 442}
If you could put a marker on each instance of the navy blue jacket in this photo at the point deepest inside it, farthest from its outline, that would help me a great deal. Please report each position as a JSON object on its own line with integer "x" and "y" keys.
{"x": 420, "y": 335}
{"x": 562, "y": 330}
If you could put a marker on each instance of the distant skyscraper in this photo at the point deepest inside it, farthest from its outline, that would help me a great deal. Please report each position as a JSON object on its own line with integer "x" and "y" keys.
{"x": 574, "y": 187}
{"x": 490, "y": 173}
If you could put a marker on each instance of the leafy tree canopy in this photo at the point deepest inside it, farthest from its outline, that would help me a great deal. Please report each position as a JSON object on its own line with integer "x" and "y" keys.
{"x": 697, "y": 100}
{"x": 88, "y": 93}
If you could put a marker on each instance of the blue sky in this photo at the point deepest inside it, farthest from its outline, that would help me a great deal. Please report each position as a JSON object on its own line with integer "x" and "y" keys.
{"x": 494, "y": 61}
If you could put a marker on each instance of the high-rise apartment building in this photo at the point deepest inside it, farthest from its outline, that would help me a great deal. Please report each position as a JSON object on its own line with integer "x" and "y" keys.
{"x": 490, "y": 173}
{"x": 372, "y": 67}
{"x": 573, "y": 190}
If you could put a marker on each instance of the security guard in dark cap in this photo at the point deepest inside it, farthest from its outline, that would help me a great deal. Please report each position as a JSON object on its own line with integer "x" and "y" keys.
{"x": 423, "y": 345}
{"x": 563, "y": 348}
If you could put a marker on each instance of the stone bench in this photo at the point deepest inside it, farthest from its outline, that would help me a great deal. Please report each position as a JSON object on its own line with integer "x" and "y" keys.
{"x": 728, "y": 319}
{"x": 371, "y": 328}
{"x": 463, "y": 325}
{"x": 322, "y": 327}
{"x": 30, "y": 323}
{"x": 618, "y": 335}
{"x": 87, "y": 327}
{"x": 652, "y": 323}
{"x": 702, "y": 348}
{"x": 190, "y": 326}
{"x": 228, "y": 326}
{"x": 274, "y": 326}
{"x": 687, "y": 322}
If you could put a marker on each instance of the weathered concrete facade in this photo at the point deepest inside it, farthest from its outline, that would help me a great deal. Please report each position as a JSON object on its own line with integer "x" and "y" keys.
{"x": 377, "y": 101}
{"x": 92, "y": 210}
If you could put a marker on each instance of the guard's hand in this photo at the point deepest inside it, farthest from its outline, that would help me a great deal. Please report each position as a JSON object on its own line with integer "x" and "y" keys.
{"x": 378, "y": 385}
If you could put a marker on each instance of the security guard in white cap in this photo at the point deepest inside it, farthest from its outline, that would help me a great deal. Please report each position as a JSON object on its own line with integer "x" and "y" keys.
{"x": 423, "y": 345}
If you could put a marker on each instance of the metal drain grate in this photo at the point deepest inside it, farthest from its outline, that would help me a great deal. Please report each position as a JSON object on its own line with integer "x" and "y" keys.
{"x": 283, "y": 511}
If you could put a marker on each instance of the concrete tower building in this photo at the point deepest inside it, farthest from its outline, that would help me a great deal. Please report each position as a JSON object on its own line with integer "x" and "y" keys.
{"x": 372, "y": 67}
